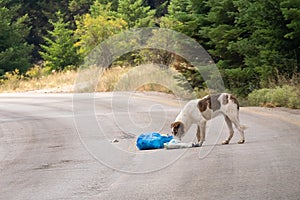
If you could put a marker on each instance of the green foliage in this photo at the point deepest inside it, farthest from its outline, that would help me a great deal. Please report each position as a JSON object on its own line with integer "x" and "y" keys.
{"x": 186, "y": 16}
{"x": 60, "y": 50}
{"x": 40, "y": 12}
{"x": 286, "y": 95}
{"x": 14, "y": 50}
{"x": 291, "y": 12}
{"x": 240, "y": 80}
{"x": 135, "y": 13}
{"x": 79, "y": 7}
{"x": 263, "y": 47}
{"x": 94, "y": 28}
{"x": 249, "y": 40}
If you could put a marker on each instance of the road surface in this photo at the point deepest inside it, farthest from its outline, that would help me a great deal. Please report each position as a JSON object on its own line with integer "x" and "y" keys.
{"x": 60, "y": 146}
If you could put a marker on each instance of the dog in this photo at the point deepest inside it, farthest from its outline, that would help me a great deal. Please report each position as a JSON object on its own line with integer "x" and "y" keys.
{"x": 199, "y": 111}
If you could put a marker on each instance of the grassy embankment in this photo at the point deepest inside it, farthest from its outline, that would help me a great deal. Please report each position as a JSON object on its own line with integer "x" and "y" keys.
{"x": 285, "y": 93}
{"x": 86, "y": 79}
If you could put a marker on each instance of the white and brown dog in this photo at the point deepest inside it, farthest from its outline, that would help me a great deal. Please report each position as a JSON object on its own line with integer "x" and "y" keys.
{"x": 199, "y": 111}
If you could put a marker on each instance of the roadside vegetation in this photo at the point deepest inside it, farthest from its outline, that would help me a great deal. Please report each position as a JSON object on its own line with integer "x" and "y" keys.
{"x": 286, "y": 94}
{"x": 255, "y": 44}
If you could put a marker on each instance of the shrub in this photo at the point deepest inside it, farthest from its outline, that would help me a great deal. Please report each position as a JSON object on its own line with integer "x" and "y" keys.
{"x": 11, "y": 80}
{"x": 259, "y": 97}
{"x": 287, "y": 96}
{"x": 34, "y": 72}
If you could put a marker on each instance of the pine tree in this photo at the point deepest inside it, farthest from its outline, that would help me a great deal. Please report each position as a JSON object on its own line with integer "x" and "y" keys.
{"x": 291, "y": 12}
{"x": 60, "y": 50}
{"x": 261, "y": 39}
{"x": 40, "y": 12}
{"x": 188, "y": 17}
{"x": 79, "y": 7}
{"x": 248, "y": 39}
{"x": 135, "y": 13}
{"x": 14, "y": 50}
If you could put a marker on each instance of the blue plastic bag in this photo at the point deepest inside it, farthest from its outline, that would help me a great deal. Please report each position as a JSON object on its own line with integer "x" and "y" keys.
{"x": 152, "y": 141}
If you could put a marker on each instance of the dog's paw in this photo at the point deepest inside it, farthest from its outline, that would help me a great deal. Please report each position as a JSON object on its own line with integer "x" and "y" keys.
{"x": 241, "y": 142}
{"x": 196, "y": 145}
{"x": 225, "y": 142}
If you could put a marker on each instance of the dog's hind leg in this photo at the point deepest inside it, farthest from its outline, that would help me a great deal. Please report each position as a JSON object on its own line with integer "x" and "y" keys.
{"x": 229, "y": 125}
{"x": 241, "y": 131}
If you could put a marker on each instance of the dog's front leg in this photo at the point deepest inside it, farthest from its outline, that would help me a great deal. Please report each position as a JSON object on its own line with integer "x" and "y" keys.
{"x": 201, "y": 127}
{"x": 198, "y": 135}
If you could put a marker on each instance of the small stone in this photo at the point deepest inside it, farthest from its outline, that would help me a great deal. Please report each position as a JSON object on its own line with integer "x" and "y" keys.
{"x": 115, "y": 140}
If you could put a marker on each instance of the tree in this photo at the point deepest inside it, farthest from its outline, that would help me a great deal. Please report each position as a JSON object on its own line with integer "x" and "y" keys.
{"x": 113, "y": 4}
{"x": 222, "y": 32}
{"x": 161, "y": 6}
{"x": 79, "y": 7}
{"x": 40, "y": 12}
{"x": 96, "y": 26}
{"x": 291, "y": 12}
{"x": 262, "y": 43}
{"x": 246, "y": 39}
{"x": 60, "y": 50}
{"x": 135, "y": 13}
{"x": 187, "y": 17}
{"x": 14, "y": 50}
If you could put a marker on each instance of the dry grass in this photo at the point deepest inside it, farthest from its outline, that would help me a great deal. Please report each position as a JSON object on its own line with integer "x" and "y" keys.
{"x": 94, "y": 79}
{"x": 59, "y": 81}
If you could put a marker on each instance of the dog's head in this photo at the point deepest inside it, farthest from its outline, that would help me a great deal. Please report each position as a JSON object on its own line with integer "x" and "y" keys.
{"x": 178, "y": 129}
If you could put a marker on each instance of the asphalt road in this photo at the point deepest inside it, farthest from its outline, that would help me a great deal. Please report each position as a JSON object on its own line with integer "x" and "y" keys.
{"x": 59, "y": 146}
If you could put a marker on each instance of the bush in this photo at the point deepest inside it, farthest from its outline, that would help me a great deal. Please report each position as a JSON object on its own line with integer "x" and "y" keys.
{"x": 11, "y": 80}
{"x": 34, "y": 72}
{"x": 258, "y": 97}
{"x": 287, "y": 96}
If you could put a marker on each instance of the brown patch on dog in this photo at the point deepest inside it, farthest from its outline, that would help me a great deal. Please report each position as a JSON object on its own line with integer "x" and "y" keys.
{"x": 203, "y": 104}
{"x": 234, "y": 100}
{"x": 211, "y": 102}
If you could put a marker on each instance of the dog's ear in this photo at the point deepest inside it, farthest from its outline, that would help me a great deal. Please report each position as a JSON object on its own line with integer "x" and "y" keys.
{"x": 175, "y": 124}
{"x": 172, "y": 125}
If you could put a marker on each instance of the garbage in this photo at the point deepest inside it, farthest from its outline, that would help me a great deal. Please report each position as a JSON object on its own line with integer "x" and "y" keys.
{"x": 176, "y": 144}
{"x": 152, "y": 141}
